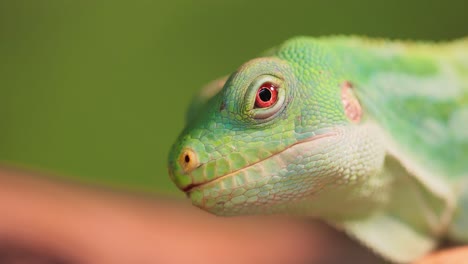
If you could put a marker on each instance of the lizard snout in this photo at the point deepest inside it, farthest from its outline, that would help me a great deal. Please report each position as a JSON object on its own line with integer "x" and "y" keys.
{"x": 180, "y": 169}
{"x": 188, "y": 160}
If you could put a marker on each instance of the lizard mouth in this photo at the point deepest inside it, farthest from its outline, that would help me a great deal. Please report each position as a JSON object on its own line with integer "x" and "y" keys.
{"x": 194, "y": 186}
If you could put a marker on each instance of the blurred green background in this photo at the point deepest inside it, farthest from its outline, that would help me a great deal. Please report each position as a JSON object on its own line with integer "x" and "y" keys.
{"x": 97, "y": 90}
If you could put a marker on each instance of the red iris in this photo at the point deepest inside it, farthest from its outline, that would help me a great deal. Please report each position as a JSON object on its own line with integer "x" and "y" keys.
{"x": 267, "y": 95}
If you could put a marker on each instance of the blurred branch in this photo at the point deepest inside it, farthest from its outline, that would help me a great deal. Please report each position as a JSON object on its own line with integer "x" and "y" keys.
{"x": 65, "y": 223}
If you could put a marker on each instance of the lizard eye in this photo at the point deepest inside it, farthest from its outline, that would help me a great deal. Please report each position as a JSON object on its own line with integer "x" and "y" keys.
{"x": 267, "y": 95}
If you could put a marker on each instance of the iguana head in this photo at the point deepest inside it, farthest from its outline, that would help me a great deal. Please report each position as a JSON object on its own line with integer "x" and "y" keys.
{"x": 281, "y": 129}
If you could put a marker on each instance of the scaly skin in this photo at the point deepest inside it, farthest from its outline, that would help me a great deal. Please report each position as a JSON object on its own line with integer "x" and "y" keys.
{"x": 370, "y": 136}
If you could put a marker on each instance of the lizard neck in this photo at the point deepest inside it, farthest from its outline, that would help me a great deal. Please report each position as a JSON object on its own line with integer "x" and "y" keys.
{"x": 413, "y": 203}
{"x": 417, "y": 93}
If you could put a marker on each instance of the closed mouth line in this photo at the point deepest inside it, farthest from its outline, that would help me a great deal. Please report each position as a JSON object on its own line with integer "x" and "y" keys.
{"x": 193, "y": 186}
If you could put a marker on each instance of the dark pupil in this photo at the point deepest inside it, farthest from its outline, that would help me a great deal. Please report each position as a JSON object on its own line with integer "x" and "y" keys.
{"x": 187, "y": 158}
{"x": 265, "y": 94}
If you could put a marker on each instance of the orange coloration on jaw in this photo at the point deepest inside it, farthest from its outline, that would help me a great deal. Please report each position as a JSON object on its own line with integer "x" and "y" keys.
{"x": 351, "y": 104}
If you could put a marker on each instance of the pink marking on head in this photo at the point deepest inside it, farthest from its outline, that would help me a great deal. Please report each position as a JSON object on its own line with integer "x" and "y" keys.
{"x": 351, "y": 105}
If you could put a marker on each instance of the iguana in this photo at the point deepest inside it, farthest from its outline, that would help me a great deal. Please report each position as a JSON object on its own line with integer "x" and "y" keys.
{"x": 368, "y": 135}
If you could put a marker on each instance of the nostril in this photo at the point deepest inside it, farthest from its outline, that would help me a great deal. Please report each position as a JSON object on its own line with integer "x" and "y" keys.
{"x": 188, "y": 160}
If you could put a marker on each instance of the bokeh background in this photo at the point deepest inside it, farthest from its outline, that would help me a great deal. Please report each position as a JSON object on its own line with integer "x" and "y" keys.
{"x": 96, "y": 91}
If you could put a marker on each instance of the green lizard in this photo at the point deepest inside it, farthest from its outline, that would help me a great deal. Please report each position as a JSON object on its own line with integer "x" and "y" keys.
{"x": 370, "y": 136}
